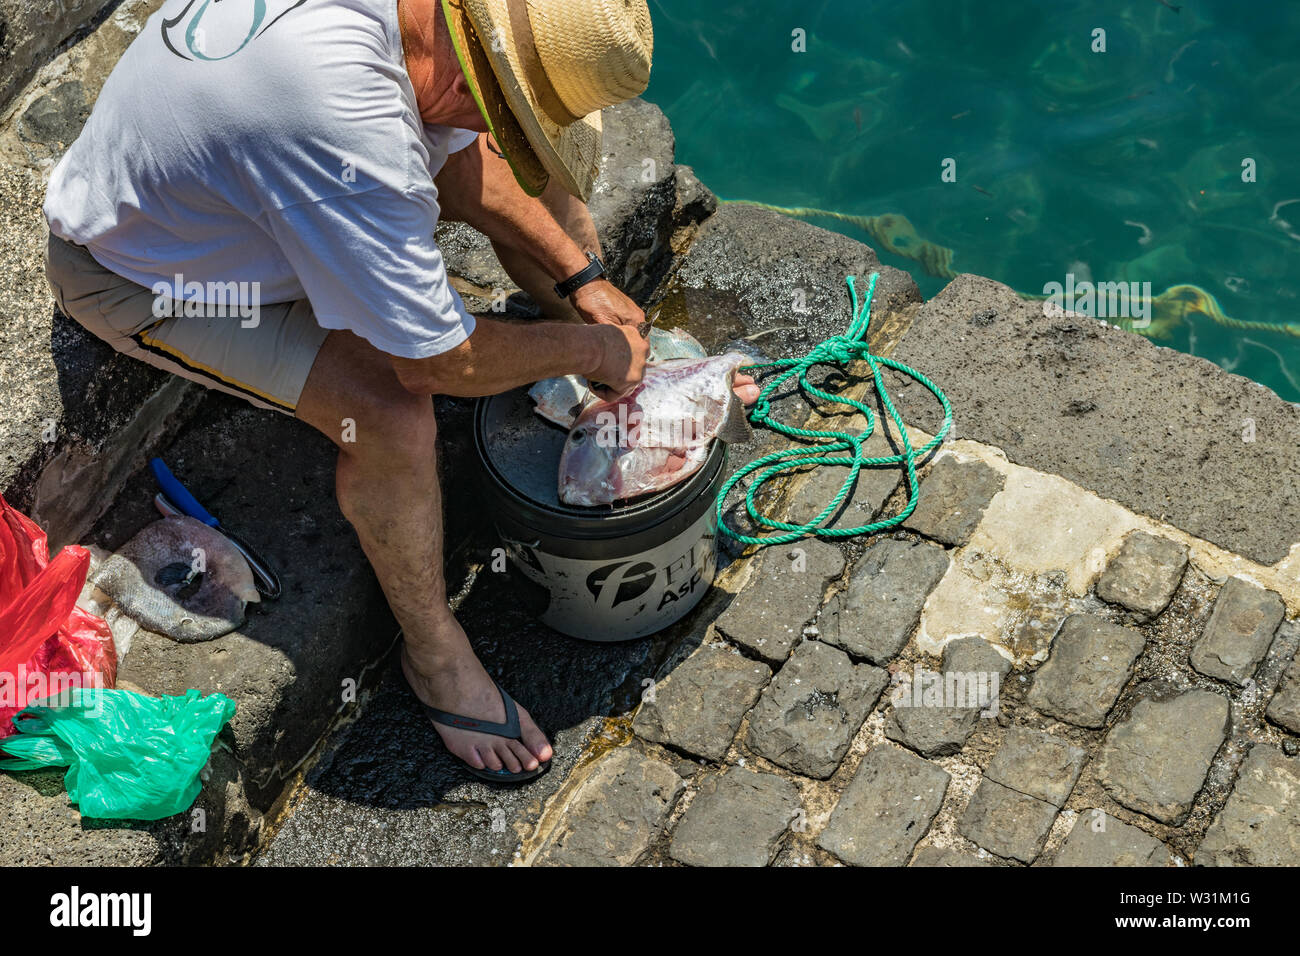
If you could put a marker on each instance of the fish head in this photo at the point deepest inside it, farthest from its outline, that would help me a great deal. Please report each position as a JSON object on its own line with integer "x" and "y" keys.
{"x": 589, "y": 472}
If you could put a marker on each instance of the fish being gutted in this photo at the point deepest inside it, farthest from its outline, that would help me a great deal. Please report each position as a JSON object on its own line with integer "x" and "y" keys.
{"x": 561, "y": 400}
{"x": 655, "y": 436}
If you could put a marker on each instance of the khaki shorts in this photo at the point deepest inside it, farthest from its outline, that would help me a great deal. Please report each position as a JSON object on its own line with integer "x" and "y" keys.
{"x": 266, "y": 363}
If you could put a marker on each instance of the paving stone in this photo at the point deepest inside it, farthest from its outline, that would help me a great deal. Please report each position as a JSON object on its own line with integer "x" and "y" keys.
{"x": 1155, "y": 761}
{"x": 736, "y": 819}
{"x": 1007, "y": 822}
{"x": 1098, "y": 839}
{"x": 1144, "y": 575}
{"x": 932, "y": 731}
{"x": 1241, "y": 628}
{"x": 935, "y": 856}
{"x": 807, "y": 717}
{"x": 869, "y": 492}
{"x": 782, "y": 596}
{"x": 1091, "y": 661}
{"x": 617, "y": 812}
{"x": 1260, "y": 823}
{"x": 974, "y": 655}
{"x": 698, "y": 707}
{"x": 876, "y": 614}
{"x": 1284, "y": 708}
{"x": 886, "y": 809}
{"x": 972, "y": 672}
{"x": 953, "y": 498}
{"x": 1037, "y": 764}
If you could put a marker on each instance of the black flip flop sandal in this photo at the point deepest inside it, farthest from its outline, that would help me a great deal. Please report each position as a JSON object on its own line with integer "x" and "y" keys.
{"x": 509, "y": 729}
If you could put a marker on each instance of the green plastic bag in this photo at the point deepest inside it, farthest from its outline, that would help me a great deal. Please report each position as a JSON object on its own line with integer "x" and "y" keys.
{"x": 129, "y": 757}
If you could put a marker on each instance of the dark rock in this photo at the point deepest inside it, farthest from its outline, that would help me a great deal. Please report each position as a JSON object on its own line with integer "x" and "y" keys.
{"x": 746, "y": 251}
{"x": 1091, "y": 661}
{"x": 1098, "y": 839}
{"x": 877, "y": 613}
{"x": 1144, "y": 575}
{"x": 783, "y": 594}
{"x": 1284, "y": 708}
{"x": 698, "y": 707}
{"x": 1260, "y": 823}
{"x": 1240, "y": 630}
{"x": 952, "y": 500}
{"x": 1007, "y": 822}
{"x": 1037, "y": 764}
{"x": 886, "y": 809}
{"x": 736, "y": 819}
{"x": 1159, "y": 414}
{"x": 1155, "y": 761}
{"x": 934, "y": 856}
{"x": 809, "y": 714}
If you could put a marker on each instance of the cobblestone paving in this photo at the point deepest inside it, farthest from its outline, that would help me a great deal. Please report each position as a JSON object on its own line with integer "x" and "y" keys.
{"x": 1025, "y": 674}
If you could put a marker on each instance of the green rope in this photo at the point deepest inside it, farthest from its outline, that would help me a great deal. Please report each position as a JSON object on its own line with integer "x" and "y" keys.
{"x": 837, "y": 350}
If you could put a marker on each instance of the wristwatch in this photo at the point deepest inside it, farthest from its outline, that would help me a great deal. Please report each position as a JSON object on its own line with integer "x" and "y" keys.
{"x": 595, "y": 269}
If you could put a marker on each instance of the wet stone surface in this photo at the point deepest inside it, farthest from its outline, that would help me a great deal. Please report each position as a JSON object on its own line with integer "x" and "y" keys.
{"x": 1098, "y": 839}
{"x": 1090, "y": 662}
{"x": 1144, "y": 575}
{"x": 697, "y": 709}
{"x": 1155, "y": 761}
{"x": 1241, "y": 628}
{"x": 886, "y": 810}
{"x": 769, "y": 619}
{"x": 808, "y": 715}
{"x": 1007, "y": 822}
{"x": 876, "y": 614}
{"x": 864, "y": 500}
{"x": 952, "y": 500}
{"x": 736, "y": 819}
{"x": 1260, "y": 824}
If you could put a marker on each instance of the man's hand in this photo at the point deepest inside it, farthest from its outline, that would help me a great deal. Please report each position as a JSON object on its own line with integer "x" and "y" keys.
{"x": 602, "y": 302}
{"x": 623, "y": 354}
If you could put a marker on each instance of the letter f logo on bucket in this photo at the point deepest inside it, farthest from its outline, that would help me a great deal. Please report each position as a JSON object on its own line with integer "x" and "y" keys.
{"x": 218, "y": 29}
{"x": 616, "y": 584}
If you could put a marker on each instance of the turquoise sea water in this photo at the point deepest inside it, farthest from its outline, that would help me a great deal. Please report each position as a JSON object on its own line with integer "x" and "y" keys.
{"x": 1122, "y": 165}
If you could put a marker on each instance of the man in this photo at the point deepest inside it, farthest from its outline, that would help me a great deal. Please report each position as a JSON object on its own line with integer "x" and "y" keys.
{"x": 297, "y": 155}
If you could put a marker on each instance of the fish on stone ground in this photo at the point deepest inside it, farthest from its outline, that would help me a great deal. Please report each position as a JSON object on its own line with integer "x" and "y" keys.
{"x": 561, "y": 400}
{"x": 179, "y": 578}
{"x": 657, "y": 435}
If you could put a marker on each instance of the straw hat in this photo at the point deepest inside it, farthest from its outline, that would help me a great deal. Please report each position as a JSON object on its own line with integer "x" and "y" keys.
{"x": 541, "y": 72}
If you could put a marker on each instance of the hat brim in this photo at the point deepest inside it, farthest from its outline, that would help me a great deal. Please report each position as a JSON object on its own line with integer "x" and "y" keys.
{"x": 536, "y": 147}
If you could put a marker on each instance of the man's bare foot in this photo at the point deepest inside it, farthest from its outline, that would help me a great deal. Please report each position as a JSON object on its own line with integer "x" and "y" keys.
{"x": 462, "y": 686}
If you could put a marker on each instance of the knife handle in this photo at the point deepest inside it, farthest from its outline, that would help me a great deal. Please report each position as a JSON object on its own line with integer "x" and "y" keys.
{"x": 178, "y": 494}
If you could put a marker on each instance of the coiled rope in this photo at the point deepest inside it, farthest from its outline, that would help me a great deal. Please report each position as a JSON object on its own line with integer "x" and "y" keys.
{"x": 828, "y": 444}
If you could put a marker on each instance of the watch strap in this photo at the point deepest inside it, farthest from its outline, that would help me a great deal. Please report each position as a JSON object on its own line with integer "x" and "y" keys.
{"x": 594, "y": 269}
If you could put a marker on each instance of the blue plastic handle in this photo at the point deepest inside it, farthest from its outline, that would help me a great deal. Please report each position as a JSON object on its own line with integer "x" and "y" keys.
{"x": 178, "y": 494}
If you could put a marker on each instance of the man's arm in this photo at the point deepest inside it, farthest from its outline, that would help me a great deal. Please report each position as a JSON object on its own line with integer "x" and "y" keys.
{"x": 502, "y": 355}
{"x": 476, "y": 186}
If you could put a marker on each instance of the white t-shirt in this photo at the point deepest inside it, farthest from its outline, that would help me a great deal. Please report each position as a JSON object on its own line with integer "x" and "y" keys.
{"x": 277, "y": 142}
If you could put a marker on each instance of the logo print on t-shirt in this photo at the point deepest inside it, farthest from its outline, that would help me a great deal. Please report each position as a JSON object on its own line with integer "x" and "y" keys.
{"x": 225, "y": 29}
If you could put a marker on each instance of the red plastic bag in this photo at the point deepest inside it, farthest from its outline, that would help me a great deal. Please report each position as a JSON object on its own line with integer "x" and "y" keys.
{"x": 47, "y": 643}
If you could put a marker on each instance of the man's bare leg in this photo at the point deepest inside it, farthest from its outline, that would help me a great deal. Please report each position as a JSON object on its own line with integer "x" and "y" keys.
{"x": 571, "y": 213}
{"x": 387, "y": 487}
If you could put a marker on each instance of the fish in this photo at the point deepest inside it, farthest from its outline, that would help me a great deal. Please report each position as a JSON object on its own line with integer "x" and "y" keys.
{"x": 179, "y": 578}
{"x": 562, "y": 399}
{"x": 657, "y": 435}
